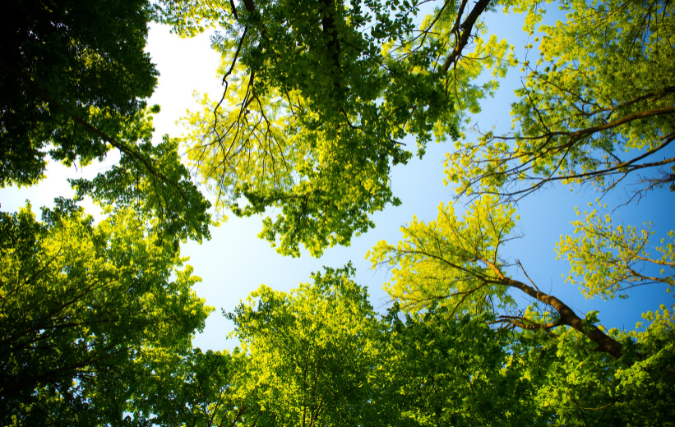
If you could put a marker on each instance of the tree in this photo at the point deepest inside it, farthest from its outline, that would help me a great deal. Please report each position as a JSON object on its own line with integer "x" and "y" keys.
{"x": 579, "y": 386}
{"x": 180, "y": 210}
{"x": 81, "y": 305}
{"x": 72, "y": 72}
{"x": 317, "y": 96}
{"x": 304, "y": 359}
{"x": 581, "y": 371}
{"x": 84, "y": 307}
{"x": 320, "y": 356}
{"x": 573, "y": 119}
{"x": 309, "y": 351}
{"x": 75, "y": 82}
{"x": 458, "y": 262}
{"x": 435, "y": 370}
{"x": 596, "y": 107}
{"x": 191, "y": 389}
{"x": 607, "y": 260}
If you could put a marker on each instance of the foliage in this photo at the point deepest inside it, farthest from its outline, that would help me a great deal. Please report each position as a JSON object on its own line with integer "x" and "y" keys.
{"x": 177, "y": 205}
{"x": 463, "y": 249}
{"x": 457, "y": 264}
{"x": 319, "y": 356}
{"x": 582, "y": 387}
{"x": 75, "y": 80}
{"x": 608, "y": 260}
{"x": 309, "y": 351}
{"x": 579, "y": 372}
{"x": 175, "y": 389}
{"x": 318, "y": 95}
{"x": 80, "y": 304}
{"x": 595, "y": 107}
{"x": 65, "y": 60}
{"x": 572, "y": 121}
{"x": 439, "y": 370}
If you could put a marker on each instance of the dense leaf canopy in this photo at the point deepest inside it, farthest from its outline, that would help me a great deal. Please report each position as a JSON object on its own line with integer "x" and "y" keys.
{"x": 81, "y": 304}
{"x": 75, "y": 81}
{"x": 96, "y": 319}
{"x": 319, "y": 355}
{"x": 317, "y": 97}
{"x": 64, "y": 63}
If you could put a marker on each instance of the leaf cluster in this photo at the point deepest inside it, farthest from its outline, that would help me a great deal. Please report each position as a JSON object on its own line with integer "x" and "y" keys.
{"x": 317, "y": 97}
{"x": 80, "y": 305}
{"x": 596, "y": 106}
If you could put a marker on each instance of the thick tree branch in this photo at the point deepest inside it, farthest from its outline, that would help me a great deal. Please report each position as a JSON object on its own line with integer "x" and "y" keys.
{"x": 234, "y": 10}
{"x": 467, "y": 27}
{"x": 605, "y": 343}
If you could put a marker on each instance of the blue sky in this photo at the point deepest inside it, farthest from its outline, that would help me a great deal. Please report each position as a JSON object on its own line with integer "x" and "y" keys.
{"x": 234, "y": 262}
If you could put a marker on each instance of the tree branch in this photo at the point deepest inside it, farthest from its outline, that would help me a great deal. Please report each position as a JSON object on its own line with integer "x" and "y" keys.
{"x": 463, "y": 39}
{"x": 112, "y": 141}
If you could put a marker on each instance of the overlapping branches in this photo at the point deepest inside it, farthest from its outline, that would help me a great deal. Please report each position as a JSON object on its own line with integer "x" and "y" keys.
{"x": 456, "y": 264}
{"x": 592, "y": 96}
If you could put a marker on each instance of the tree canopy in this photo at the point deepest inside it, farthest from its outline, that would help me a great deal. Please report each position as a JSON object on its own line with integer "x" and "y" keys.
{"x": 320, "y": 355}
{"x": 63, "y": 72}
{"x": 595, "y": 107}
{"x": 81, "y": 305}
{"x": 75, "y": 82}
{"x": 97, "y": 318}
{"x": 317, "y": 96}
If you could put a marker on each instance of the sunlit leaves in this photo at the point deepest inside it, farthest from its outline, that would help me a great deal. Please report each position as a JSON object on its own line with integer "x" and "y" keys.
{"x": 315, "y": 106}
{"x": 596, "y": 106}
{"x": 310, "y": 350}
{"x": 607, "y": 260}
{"x": 450, "y": 259}
{"x": 80, "y": 304}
